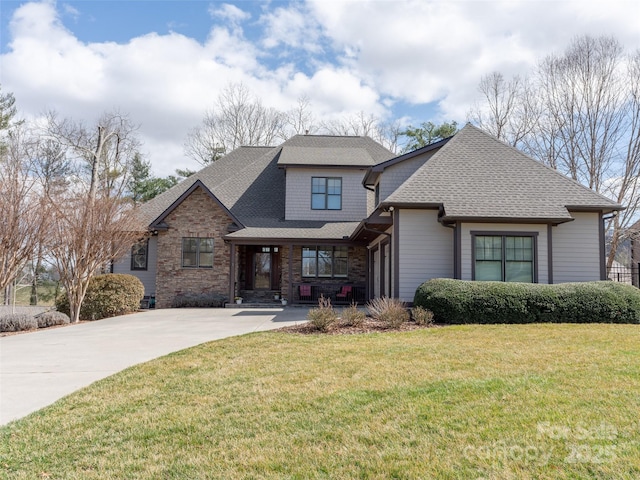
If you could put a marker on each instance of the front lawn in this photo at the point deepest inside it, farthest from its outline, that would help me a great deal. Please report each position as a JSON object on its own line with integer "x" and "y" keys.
{"x": 466, "y": 402}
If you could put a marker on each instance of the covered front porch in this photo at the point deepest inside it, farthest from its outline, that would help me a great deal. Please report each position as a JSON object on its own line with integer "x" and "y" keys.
{"x": 299, "y": 273}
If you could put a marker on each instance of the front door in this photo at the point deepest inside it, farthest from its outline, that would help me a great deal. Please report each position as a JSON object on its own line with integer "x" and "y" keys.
{"x": 264, "y": 271}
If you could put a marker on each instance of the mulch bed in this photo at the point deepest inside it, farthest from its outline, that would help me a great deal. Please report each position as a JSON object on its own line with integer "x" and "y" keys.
{"x": 368, "y": 326}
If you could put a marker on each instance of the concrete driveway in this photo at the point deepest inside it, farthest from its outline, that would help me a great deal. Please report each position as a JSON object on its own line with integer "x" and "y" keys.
{"x": 38, "y": 368}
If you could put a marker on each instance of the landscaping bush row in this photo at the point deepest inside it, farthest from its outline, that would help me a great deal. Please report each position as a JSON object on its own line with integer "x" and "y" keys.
{"x": 392, "y": 313}
{"x": 107, "y": 296}
{"x": 16, "y": 322}
{"x": 459, "y": 301}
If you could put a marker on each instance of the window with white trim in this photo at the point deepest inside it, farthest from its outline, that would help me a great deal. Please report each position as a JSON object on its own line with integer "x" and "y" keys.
{"x": 504, "y": 257}
{"x": 197, "y": 252}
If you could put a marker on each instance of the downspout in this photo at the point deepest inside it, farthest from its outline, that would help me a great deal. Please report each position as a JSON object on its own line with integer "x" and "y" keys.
{"x": 395, "y": 251}
{"x": 457, "y": 270}
{"x": 603, "y": 248}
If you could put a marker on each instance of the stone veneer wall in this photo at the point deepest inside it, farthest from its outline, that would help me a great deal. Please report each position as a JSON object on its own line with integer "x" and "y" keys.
{"x": 357, "y": 267}
{"x": 197, "y": 216}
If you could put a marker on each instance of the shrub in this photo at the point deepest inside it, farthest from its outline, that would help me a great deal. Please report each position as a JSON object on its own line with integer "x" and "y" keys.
{"x": 17, "y": 322}
{"x": 62, "y": 304}
{"x": 390, "y": 311}
{"x": 459, "y": 301}
{"x": 422, "y": 316}
{"x": 198, "y": 300}
{"x": 323, "y": 317}
{"x": 50, "y": 319}
{"x": 107, "y": 296}
{"x": 352, "y": 317}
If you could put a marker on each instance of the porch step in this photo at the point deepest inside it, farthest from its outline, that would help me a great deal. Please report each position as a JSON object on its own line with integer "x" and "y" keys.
{"x": 255, "y": 305}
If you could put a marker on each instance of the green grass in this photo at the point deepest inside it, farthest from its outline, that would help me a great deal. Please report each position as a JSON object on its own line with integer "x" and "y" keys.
{"x": 46, "y": 294}
{"x": 468, "y": 402}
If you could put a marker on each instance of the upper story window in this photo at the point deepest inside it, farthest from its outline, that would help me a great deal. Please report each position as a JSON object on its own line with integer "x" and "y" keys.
{"x": 505, "y": 258}
{"x": 326, "y": 193}
{"x": 376, "y": 193}
{"x": 197, "y": 252}
{"x": 139, "y": 255}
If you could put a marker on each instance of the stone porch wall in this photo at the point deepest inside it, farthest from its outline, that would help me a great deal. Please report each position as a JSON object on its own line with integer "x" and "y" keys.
{"x": 197, "y": 216}
{"x": 357, "y": 267}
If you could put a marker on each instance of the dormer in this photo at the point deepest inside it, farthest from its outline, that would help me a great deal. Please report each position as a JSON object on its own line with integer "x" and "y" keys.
{"x": 324, "y": 176}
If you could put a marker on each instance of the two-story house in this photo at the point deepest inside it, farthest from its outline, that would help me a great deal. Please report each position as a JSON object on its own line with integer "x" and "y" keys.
{"x": 346, "y": 218}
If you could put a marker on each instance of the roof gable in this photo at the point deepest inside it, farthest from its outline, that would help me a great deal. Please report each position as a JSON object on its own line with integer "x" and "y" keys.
{"x": 228, "y": 179}
{"x": 194, "y": 186}
{"x": 474, "y": 175}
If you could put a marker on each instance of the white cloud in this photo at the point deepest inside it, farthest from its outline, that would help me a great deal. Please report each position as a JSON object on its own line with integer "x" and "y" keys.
{"x": 336, "y": 92}
{"x": 344, "y": 56}
{"x": 291, "y": 27}
{"x": 424, "y": 51}
{"x": 229, "y": 12}
{"x": 71, "y": 11}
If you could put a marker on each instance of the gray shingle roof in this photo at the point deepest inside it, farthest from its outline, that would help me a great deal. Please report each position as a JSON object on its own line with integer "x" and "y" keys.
{"x": 251, "y": 185}
{"x": 475, "y": 175}
{"x": 328, "y": 150}
{"x": 329, "y": 156}
{"x": 295, "y": 230}
{"x": 232, "y": 179}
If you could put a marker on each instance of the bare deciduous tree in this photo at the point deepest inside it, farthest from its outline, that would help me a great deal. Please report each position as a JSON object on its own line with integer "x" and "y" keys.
{"x": 86, "y": 237}
{"x": 24, "y": 214}
{"x": 508, "y": 110}
{"x": 237, "y": 119}
{"x": 361, "y": 124}
{"x": 579, "y": 113}
{"x": 93, "y": 222}
{"x": 300, "y": 119}
{"x": 101, "y": 155}
{"x": 52, "y": 169}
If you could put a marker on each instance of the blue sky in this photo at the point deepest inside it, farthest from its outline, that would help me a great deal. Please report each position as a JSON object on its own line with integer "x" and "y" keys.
{"x": 165, "y": 62}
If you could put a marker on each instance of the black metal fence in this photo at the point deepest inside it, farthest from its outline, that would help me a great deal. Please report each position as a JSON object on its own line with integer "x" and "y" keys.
{"x": 622, "y": 274}
{"x": 339, "y": 293}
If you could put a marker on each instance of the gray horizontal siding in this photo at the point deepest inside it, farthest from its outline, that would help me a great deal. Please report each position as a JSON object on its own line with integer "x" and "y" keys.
{"x": 397, "y": 174}
{"x": 426, "y": 250}
{"x": 147, "y": 277}
{"x": 576, "y": 249}
{"x": 298, "y": 195}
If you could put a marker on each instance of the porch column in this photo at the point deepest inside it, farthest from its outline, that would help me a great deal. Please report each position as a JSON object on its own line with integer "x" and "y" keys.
{"x": 367, "y": 268}
{"x": 395, "y": 248}
{"x": 232, "y": 273}
{"x": 290, "y": 294}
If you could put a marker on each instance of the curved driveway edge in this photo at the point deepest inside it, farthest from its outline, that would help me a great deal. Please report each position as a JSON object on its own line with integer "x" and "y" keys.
{"x": 38, "y": 368}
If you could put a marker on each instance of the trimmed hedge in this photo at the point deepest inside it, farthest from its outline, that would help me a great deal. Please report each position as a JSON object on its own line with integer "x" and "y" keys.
{"x": 51, "y": 319}
{"x": 17, "y": 322}
{"x": 108, "y": 295}
{"x": 461, "y": 302}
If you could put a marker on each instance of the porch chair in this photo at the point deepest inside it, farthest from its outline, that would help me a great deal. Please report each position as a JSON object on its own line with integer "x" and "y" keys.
{"x": 344, "y": 293}
{"x": 305, "y": 292}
